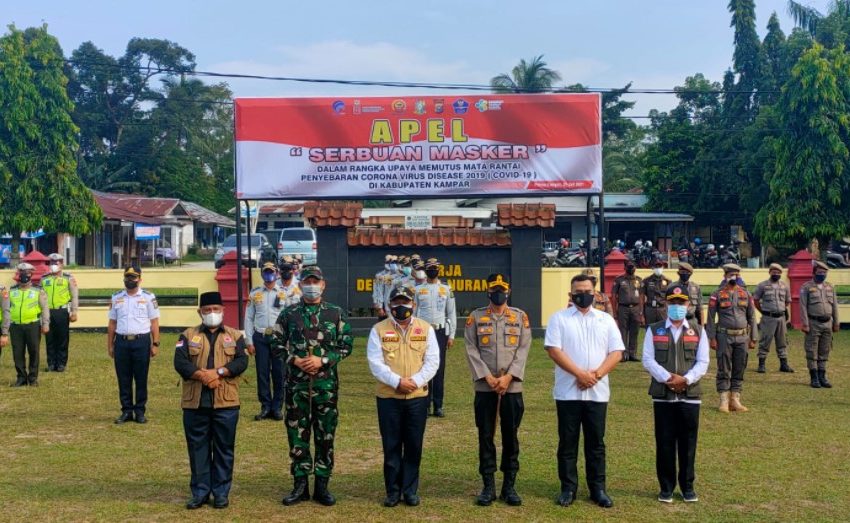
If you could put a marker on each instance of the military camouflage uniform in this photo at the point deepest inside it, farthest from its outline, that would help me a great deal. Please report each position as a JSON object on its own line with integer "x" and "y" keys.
{"x": 311, "y": 402}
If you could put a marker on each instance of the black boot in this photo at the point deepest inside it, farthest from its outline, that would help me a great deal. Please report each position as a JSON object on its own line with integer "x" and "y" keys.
{"x": 815, "y": 383}
{"x": 783, "y": 365}
{"x": 321, "y": 493}
{"x": 509, "y": 494}
{"x": 488, "y": 493}
{"x": 823, "y": 381}
{"x": 761, "y": 369}
{"x": 20, "y": 382}
{"x": 300, "y": 492}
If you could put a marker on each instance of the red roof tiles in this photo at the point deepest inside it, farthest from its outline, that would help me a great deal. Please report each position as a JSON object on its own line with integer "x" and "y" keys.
{"x": 333, "y": 213}
{"x": 526, "y": 214}
{"x": 428, "y": 237}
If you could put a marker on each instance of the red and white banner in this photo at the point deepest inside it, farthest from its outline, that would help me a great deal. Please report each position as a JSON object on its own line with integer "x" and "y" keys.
{"x": 418, "y": 146}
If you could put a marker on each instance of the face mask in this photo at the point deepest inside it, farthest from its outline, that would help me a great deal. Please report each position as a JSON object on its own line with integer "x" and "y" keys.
{"x": 393, "y": 267}
{"x": 658, "y": 271}
{"x": 388, "y": 266}
{"x": 582, "y": 300}
{"x": 820, "y": 278}
{"x": 54, "y": 268}
{"x": 630, "y": 270}
{"x": 402, "y": 312}
{"x": 497, "y": 297}
{"x": 432, "y": 273}
{"x": 269, "y": 277}
{"x": 419, "y": 275}
{"x": 677, "y": 312}
{"x": 732, "y": 281}
{"x": 213, "y": 319}
{"x": 684, "y": 276}
{"x": 311, "y": 292}
{"x": 775, "y": 277}
{"x": 406, "y": 270}
{"x": 24, "y": 278}
{"x": 286, "y": 275}
{"x": 131, "y": 284}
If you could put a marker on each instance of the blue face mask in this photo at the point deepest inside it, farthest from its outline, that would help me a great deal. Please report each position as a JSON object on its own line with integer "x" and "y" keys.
{"x": 406, "y": 271}
{"x": 393, "y": 267}
{"x": 269, "y": 277}
{"x": 677, "y": 312}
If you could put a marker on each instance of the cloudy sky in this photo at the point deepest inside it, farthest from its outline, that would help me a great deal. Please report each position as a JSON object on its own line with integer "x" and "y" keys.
{"x": 600, "y": 43}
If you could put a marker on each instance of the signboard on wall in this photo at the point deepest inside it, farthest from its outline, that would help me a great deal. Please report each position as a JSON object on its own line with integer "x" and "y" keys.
{"x": 419, "y": 221}
{"x": 146, "y": 232}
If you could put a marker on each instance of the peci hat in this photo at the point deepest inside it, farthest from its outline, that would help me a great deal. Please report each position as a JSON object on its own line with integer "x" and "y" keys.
{"x": 210, "y": 298}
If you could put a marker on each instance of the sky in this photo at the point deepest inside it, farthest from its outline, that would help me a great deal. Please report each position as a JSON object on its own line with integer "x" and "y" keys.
{"x": 601, "y": 43}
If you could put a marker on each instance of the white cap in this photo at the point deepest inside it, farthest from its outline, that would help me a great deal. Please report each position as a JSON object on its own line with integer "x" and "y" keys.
{"x": 24, "y": 266}
{"x": 56, "y": 257}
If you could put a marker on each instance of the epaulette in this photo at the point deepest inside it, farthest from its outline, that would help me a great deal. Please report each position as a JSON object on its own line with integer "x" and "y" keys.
{"x": 147, "y": 292}
{"x": 117, "y": 293}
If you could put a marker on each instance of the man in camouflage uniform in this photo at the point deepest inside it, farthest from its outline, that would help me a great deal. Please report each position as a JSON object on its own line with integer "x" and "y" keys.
{"x": 819, "y": 315}
{"x": 312, "y": 337}
{"x": 773, "y": 301}
{"x": 731, "y": 335}
{"x": 654, "y": 290}
{"x": 686, "y": 270}
{"x": 627, "y": 296}
{"x": 600, "y": 299}
{"x": 382, "y": 285}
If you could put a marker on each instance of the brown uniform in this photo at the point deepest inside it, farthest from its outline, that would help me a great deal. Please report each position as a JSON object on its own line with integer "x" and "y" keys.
{"x": 655, "y": 306}
{"x": 602, "y": 303}
{"x": 627, "y": 293}
{"x": 818, "y": 312}
{"x": 695, "y": 301}
{"x": 733, "y": 329}
{"x": 773, "y": 298}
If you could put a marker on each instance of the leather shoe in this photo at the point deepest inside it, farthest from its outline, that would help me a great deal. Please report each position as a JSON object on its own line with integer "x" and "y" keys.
{"x": 124, "y": 417}
{"x": 439, "y": 413}
{"x": 277, "y": 415}
{"x": 221, "y": 502}
{"x": 411, "y": 500}
{"x": 197, "y": 502}
{"x": 264, "y": 413}
{"x": 60, "y": 368}
{"x": 33, "y": 382}
{"x": 566, "y": 498}
{"x": 20, "y": 382}
{"x": 140, "y": 418}
{"x": 392, "y": 500}
{"x": 601, "y": 498}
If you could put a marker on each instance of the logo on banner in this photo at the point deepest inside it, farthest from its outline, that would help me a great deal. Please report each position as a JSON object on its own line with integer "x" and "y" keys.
{"x": 399, "y": 106}
{"x": 419, "y": 107}
{"x": 338, "y": 106}
{"x": 439, "y": 105}
{"x": 481, "y": 105}
{"x": 460, "y": 106}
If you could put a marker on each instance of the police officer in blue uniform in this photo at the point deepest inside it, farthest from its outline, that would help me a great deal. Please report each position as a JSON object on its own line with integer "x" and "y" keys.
{"x": 132, "y": 339}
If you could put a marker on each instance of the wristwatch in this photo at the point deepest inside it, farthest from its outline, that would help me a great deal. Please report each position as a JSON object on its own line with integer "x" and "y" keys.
{"x": 325, "y": 360}
{"x": 220, "y": 371}
{"x": 155, "y": 344}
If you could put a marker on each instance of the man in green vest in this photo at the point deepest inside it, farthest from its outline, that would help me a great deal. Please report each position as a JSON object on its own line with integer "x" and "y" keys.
{"x": 675, "y": 353}
{"x": 25, "y": 319}
{"x": 63, "y": 301}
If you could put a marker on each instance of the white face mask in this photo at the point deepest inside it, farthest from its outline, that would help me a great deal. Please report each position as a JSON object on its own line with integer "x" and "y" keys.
{"x": 54, "y": 268}
{"x": 658, "y": 271}
{"x": 213, "y": 319}
{"x": 311, "y": 292}
{"x": 419, "y": 275}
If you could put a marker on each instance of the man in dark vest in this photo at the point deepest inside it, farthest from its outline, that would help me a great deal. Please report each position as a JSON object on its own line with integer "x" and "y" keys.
{"x": 675, "y": 353}
{"x": 210, "y": 358}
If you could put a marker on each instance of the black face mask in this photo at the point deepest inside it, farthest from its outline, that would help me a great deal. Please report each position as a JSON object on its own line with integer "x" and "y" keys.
{"x": 630, "y": 270}
{"x": 732, "y": 281}
{"x": 497, "y": 297}
{"x": 24, "y": 278}
{"x": 775, "y": 277}
{"x": 432, "y": 273}
{"x": 131, "y": 284}
{"x": 684, "y": 276}
{"x": 286, "y": 275}
{"x": 402, "y": 312}
{"x": 582, "y": 300}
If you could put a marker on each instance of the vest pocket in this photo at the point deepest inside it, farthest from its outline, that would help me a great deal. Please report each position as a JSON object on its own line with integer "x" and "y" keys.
{"x": 229, "y": 353}
{"x": 661, "y": 355}
{"x": 229, "y": 390}
{"x": 690, "y": 354}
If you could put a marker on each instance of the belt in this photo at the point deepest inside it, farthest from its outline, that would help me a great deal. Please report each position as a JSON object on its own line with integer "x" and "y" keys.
{"x": 774, "y": 314}
{"x": 66, "y": 307}
{"x": 822, "y": 319}
{"x": 132, "y": 337}
{"x": 629, "y": 305}
{"x": 438, "y": 326}
{"x": 734, "y": 332}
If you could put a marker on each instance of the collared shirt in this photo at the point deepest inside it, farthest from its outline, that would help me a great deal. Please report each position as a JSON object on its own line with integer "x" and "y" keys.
{"x": 264, "y": 306}
{"x": 292, "y": 291}
{"x": 382, "y": 371}
{"x": 586, "y": 339}
{"x": 661, "y": 374}
{"x": 133, "y": 312}
{"x": 435, "y": 303}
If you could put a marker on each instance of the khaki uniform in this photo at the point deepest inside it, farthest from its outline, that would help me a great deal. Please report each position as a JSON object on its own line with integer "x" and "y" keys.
{"x": 602, "y": 303}
{"x": 404, "y": 354}
{"x": 655, "y": 306}
{"x": 774, "y": 298}
{"x": 818, "y": 312}
{"x": 733, "y": 329}
{"x": 695, "y": 301}
{"x": 628, "y": 291}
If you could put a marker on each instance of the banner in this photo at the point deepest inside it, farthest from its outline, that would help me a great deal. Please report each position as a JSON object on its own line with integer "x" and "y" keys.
{"x": 146, "y": 232}
{"x": 418, "y": 146}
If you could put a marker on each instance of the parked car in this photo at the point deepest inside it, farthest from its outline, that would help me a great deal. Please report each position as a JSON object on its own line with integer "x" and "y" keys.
{"x": 298, "y": 240}
{"x": 163, "y": 254}
{"x": 261, "y": 250}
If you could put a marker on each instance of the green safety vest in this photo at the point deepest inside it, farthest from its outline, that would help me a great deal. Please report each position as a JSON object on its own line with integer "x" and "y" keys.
{"x": 24, "y": 306}
{"x": 58, "y": 291}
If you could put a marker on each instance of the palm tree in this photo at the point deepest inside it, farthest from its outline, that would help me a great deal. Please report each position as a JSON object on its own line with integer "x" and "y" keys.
{"x": 812, "y": 20}
{"x": 526, "y": 77}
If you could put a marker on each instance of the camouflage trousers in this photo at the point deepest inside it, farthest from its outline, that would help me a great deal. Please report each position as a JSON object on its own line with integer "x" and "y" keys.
{"x": 319, "y": 416}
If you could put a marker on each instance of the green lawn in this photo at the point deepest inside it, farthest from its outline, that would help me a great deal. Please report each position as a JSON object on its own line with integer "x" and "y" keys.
{"x": 63, "y": 459}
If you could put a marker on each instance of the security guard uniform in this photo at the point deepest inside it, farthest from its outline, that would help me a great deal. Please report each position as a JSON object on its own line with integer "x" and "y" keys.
{"x": 435, "y": 303}
{"x": 405, "y": 276}
{"x": 655, "y": 306}
{"x": 694, "y": 292}
{"x": 382, "y": 285}
{"x": 628, "y": 297}
{"x": 772, "y": 299}
{"x": 497, "y": 344}
{"x": 64, "y": 302}
{"x": 25, "y": 315}
{"x": 818, "y": 314}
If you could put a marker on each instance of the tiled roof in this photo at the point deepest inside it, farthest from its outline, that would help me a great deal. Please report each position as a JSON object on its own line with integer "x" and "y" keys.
{"x": 333, "y": 213}
{"x": 526, "y": 214}
{"x": 443, "y": 237}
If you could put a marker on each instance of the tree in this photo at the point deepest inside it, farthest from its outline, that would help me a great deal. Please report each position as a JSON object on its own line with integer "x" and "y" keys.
{"x": 38, "y": 141}
{"x": 746, "y": 58}
{"x": 526, "y": 77}
{"x": 831, "y": 29}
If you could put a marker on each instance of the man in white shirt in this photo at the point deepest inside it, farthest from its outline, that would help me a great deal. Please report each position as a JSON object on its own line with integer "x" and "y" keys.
{"x": 675, "y": 353}
{"x": 585, "y": 345}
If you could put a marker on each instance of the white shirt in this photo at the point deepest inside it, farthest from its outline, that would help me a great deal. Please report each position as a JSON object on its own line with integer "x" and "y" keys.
{"x": 586, "y": 339}
{"x": 661, "y": 374}
{"x": 383, "y": 372}
{"x": 133, "y": 312}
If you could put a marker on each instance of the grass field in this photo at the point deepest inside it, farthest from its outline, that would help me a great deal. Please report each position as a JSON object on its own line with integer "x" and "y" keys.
{"x": 64, "y": 460}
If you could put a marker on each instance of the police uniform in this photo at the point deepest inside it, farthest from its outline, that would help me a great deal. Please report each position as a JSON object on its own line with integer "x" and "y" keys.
{"x": 63, "y": 301}
{"x": 395, "y": 352}
{"x": 693, "y": 290}
{"x": 772, "y": 299}
{"x": 25, "y": 316}
{"x": 818, "y": 314}
{"x": 628, "y": 297}
{"x": 655, "y": 306}
{"x": 497, "y": 344}
{"x": 135, "y": 320}
{"x": 733, "y": 330}
{"x": 435, "y": 303}
{"x": 264, "y": 306}
{"x": 210, "y": 415}
{"x": 382, "y": 285}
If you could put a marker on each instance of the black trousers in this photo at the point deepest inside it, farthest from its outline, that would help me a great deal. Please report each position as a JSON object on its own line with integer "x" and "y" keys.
{"x": 402, "y": 425}
{"x": 270, "y": 375}
{"x": 437, "y": 385}
{"x": 25, "y": 340}
{"x": 511, "y": 410}
{"x": 57, "y": 338}
{"x": 132, "y": 362}
{"x": 211, "y": 440}
{"x": 575, "y": 416}
{"x": 676, "y": 427}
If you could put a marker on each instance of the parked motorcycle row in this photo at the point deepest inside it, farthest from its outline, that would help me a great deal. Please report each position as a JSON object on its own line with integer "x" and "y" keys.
{"x": 644, "y": 254}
